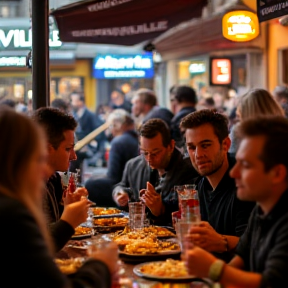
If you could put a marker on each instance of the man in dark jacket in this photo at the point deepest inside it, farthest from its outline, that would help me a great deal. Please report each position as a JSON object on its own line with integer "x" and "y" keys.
{"x": 224, "y": 217}
{"x": 59, "y": 129}
{"x": 144, "y": 107}
{"x": 124, "y": 147}
{"x": 155, "y": 173}
{"x": 183, "y": 100}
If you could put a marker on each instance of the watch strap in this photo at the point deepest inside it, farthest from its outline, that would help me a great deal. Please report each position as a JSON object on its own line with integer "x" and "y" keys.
{"x": 215, "y": 270}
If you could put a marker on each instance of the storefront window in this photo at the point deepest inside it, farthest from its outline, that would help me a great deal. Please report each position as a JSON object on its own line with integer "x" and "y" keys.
{"x": 62, "y": 87}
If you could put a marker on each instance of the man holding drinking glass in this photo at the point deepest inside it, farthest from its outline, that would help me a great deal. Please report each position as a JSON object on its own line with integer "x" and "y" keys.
{"x": 224, "y": 217}
{"x": 153, "y": 175}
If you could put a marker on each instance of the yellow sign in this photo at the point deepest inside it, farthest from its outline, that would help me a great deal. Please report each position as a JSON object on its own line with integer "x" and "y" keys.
{"x": 240, "y": 26}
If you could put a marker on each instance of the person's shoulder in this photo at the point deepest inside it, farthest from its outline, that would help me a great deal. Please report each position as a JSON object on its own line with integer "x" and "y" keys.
{"x": 12, "y": 210}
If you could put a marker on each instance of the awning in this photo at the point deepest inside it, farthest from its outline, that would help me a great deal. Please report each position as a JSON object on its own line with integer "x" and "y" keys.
{"x": 200, "y": 37}
{"x": 270, "y": 9}
{"x": 123, "y": 22}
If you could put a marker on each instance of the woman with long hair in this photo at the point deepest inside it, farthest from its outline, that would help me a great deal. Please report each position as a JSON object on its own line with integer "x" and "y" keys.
{"x": 255, "y": 103}
{"x": 26, "y": 247}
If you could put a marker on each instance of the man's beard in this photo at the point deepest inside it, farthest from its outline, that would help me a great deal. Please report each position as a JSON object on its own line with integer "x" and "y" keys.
{"x": 216, "y": 165}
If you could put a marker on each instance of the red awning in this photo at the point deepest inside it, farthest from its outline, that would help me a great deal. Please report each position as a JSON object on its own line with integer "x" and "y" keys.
{"x": 123, "y": 22}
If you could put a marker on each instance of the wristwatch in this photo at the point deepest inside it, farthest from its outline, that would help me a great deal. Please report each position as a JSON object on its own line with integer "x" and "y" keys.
{"x": 215, "y": 270}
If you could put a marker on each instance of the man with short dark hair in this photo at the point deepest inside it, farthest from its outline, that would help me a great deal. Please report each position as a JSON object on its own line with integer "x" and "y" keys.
{"x": 261, "y": 175}
{"x": 153, "y": 175}
{"x": 144, "y": 106}
{"x": 59, "y": 129}
{"x": 224, "y": 217}
{"x": 183, "y": 100}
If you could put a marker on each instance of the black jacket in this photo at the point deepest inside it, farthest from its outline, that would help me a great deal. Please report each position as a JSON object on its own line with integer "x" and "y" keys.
{"x": 175, "y": 125}
{"x": 178, "y": 172}
{"x": 123, "y": 148}
{"x": 159, "y": 113}
{"x": 25, "y": 261}
{"x": 61, "y": 231}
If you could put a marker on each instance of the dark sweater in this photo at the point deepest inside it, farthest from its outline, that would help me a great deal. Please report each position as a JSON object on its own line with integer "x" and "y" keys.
{"x": 25, "y": 260}
{"x": 178, "y": 172}
{"x": 221, "y": 207}
{"x": 264, "y": 245}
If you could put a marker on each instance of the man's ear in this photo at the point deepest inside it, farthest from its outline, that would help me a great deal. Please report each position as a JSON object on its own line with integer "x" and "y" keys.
{"x": 226, "y": 143}
{"x": 50, "y": 149}
{"x": 278, "y": 173}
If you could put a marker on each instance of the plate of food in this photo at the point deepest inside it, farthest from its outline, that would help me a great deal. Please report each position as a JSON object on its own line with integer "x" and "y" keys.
{"x": 101, "y": 212}
{"x": 79, "y": 244}
{"x": 148, "y": 246}
{"x": 69, "y": 266}
{"x": 83, "y": 232}
{"x": 169, "y": 270}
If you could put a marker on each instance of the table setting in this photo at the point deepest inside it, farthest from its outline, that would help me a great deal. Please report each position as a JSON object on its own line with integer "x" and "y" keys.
{"x": 147, "y": 255}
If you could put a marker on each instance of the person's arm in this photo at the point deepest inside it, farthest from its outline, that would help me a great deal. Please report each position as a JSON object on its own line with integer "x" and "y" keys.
{"x": 237, "y": 262}
{"x": 115, "y": 162}
{"x": 34, "y": 264}
{"x": 119, "y": 193}
{"x": 199, "y": 261}
{"x": 61, "y": 233}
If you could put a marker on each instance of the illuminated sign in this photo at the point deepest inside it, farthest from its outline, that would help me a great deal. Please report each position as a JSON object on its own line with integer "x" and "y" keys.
{"x": 221, "y": 71}
{"x": 21, "y": 39}
{"x": 240, "y": 26}
{"x": 13, "y": 61}
{"x": 197, "y": 68}
{"x": 123, "y": 66}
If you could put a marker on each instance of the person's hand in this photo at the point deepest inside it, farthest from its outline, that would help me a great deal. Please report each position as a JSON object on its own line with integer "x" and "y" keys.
{"x": 121, "y": 198}
{"x": 198, "y": 262}
{"x": 76, "y": 213}
{"x": 204, "y": 236}
{"x": 152, "y": 199}
{"x": 76, "y": 196}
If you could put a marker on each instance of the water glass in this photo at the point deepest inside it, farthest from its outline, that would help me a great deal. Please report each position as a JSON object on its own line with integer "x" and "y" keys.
{"x": 136, "y": 215}
{"x": 182, "y": 228}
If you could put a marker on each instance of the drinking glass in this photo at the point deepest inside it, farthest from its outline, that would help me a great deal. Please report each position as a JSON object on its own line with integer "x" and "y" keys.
{"x": 136, "y": 215}
{"x": 191, "y": 206}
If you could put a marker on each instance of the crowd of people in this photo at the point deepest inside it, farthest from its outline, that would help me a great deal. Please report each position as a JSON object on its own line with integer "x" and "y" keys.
{"x": 240, "y": 170}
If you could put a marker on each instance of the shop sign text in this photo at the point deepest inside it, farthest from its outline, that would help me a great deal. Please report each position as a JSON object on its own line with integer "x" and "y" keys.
{"x": 240, "y": 26}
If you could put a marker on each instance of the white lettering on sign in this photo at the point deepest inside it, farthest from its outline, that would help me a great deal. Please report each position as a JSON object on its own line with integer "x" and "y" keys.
{"x": 21, "y": 38}
{"x": 124, "y": 74}
{"x": 123, "y": 31}
{"x": 197, "y": 68}
{"x": 13, "y": 61}
{"x": 137, "y": 62}
{"x": 273, "y": 8}
{"x": 106, "y": 5}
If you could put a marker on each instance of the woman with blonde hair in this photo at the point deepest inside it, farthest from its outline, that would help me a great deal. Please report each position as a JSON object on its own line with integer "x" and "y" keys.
{"x": 27, "y": 250}
{"x": 255, "y": 103}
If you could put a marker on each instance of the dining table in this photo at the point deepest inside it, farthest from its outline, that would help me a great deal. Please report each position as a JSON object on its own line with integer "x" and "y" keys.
{"x": 127, "y": 278}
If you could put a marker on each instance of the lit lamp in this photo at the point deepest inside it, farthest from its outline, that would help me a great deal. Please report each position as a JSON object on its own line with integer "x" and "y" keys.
{"x": 240, "y": 26}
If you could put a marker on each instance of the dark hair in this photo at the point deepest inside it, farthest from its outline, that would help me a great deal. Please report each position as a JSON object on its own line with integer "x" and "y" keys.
{"x": 81, "y": 96}
{"x": 275, "y": 131}
{"x": 119, "y": 91}
{"x": 147, "y": 96}
{"x": 185, "y": 94}
{"x": 55, "y": 123}
{"x": 60, "y": 104}
{"x": 207, "y": 116}
{"x": 153, "y": 127}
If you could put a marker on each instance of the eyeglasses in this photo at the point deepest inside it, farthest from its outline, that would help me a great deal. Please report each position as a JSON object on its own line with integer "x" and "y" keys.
{"x": 145, "y": 154}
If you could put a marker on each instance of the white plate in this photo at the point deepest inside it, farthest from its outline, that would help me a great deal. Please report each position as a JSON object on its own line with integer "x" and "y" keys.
{"x": 167, "y": 252}
{"x": 84, "y": 235}
{"x": 137, "y": 271}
